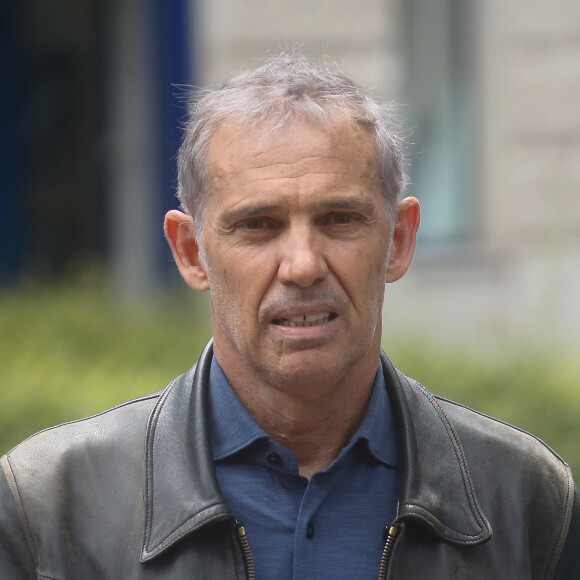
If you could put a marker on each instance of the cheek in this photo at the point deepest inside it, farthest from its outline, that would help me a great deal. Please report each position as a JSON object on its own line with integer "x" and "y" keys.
{"x": 365, "y": 288}
{"x": 371, "y": 275}
{"x": 235, "y": 293}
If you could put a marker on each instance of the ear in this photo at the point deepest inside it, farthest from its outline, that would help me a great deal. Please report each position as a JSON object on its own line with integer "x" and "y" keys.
{"x": 404, "y": 238}
{"x": 179, "y": 232}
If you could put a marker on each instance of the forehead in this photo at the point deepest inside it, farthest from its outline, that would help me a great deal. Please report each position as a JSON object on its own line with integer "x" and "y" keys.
{"x": 300, "y": 149}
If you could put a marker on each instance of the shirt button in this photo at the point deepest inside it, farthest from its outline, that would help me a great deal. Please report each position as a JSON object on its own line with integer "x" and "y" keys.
{"x": 273, "y": 458}
{"x": 310, "y": 531}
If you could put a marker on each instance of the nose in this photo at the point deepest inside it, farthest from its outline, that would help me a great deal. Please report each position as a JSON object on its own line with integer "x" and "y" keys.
{"x": 302, "y": 258}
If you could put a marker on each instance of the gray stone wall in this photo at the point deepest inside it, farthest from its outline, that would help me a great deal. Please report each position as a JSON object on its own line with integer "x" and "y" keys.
{"x": 532, "y": 121}
{"x": 361, "y": 36}
{"x": 518, "y": 280}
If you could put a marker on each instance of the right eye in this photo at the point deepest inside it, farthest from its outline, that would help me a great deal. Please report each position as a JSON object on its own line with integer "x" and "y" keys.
{"x": 253, "y": 224}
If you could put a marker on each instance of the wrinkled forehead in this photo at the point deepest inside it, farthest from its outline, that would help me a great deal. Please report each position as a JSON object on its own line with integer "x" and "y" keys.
{"x": 237, "y": 140}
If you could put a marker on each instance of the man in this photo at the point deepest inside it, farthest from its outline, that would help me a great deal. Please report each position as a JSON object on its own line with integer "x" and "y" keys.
{"x": 293, "y": 449}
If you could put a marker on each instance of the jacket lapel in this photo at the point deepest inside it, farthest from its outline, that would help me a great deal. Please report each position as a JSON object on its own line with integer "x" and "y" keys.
{"x": 181, "y": 490}
{"x": 435, "y": 487}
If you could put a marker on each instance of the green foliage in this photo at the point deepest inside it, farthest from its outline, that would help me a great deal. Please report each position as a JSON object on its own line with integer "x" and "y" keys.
{"x": 67, "y": 351}
{"x": 539, "y": 393}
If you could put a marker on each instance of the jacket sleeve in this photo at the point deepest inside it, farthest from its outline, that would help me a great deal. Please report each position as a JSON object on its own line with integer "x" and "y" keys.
{"x": 16, "y": 562}
{"x": 569, "y": 565}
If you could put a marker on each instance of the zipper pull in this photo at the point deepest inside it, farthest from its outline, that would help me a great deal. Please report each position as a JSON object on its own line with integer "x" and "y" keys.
{"x": 390, "y": 533}
{"x": 389, "y": 536}
{"x": 246, "y": 553}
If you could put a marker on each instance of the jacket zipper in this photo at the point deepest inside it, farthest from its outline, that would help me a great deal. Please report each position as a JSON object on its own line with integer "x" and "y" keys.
{"x": 390, "y": 534}
{"x": 246, "y": 553}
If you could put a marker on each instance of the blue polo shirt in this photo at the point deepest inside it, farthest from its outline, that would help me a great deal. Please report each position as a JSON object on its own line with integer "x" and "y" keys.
{"x": 330, "y": 526}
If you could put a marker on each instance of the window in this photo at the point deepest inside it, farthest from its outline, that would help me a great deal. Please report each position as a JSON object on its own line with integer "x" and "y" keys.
{"x": 441, "y": 115}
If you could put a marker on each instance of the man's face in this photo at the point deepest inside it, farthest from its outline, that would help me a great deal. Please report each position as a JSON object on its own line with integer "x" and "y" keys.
{"x": 296, "y": 239}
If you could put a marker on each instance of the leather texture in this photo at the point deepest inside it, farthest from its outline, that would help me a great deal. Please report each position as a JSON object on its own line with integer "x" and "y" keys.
{"x": 131, "y": 493}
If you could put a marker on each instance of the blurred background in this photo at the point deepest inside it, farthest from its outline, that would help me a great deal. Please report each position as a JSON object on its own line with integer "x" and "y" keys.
{"x": 91, "y": 104}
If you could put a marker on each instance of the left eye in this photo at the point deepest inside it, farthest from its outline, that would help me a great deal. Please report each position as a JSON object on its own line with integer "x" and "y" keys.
{"x": 341, "y": 218}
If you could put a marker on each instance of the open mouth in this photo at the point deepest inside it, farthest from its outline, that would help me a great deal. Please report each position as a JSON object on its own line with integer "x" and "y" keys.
{"x": 310, "y": 320}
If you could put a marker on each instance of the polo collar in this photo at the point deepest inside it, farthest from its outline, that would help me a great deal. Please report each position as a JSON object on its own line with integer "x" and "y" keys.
{"x": 182, "y": 493}
{"x": 232, "y": 428}
{"x": 377, "y": 427}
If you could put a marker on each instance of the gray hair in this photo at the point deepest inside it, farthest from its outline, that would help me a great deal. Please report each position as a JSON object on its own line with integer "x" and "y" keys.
{"x": 285, "y": 88}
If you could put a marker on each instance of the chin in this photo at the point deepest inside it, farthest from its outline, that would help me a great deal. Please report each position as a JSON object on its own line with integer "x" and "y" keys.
{"x": 308, "y": 366}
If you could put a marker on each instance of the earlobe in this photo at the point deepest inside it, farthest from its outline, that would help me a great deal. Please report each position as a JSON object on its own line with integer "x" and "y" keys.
{"x": 179, "y": 232}
{"x": 404, "y": 238}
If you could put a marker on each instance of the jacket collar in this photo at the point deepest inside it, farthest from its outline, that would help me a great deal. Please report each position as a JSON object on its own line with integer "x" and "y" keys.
{"x": 181, "y": 490}
{"x": 182, "y": 493}
{"x": 434, "y": 482}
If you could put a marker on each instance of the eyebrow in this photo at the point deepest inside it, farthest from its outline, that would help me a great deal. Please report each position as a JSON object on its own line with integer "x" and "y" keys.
{"x": 249, "y": 211}
{"x": 355, "y": 203}
{"x": 345, "y": 203}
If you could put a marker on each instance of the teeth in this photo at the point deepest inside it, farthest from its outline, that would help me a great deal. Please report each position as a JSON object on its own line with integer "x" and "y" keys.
{"x": 309, "y": 320}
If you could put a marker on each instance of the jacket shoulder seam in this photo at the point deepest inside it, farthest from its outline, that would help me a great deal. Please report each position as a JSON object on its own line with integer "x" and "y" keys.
{"x": 19, "y": 504}
{"x": 89, "y": 417}
{"x": 505, "y": 423}
{"x": 565, "y": 521}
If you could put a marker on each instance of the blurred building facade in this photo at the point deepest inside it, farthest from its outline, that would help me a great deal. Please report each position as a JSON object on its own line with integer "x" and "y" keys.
{"x": 489, "y": 94}
{"x": 490, "y": 99}
{"x": 89, "y": 131}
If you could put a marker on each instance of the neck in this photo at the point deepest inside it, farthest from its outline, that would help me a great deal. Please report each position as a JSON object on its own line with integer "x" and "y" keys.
{"x": 314, "y": 432}
{"x": 314, "y": 419}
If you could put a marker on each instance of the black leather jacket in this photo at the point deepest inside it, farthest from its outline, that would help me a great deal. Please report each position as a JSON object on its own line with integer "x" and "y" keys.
{"x": 131, "y": 494}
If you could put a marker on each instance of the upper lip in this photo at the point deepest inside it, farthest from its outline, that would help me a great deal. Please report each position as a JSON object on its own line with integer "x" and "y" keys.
{"x": 304, "y": 309}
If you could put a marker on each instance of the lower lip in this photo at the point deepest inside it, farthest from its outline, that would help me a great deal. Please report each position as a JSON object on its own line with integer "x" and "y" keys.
{"x": 321, "y": 331}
